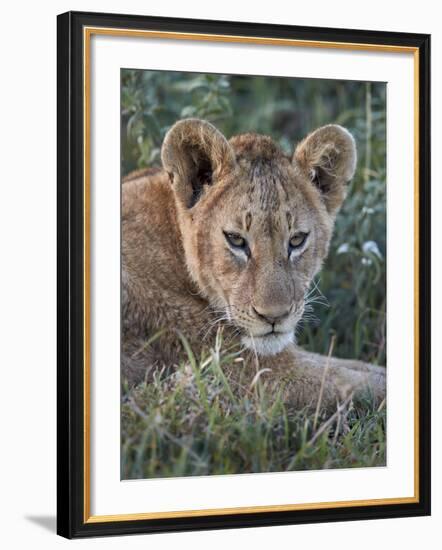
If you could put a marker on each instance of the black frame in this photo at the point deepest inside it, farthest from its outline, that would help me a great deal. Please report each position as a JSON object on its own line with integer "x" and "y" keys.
{"x": 70, "y": 202}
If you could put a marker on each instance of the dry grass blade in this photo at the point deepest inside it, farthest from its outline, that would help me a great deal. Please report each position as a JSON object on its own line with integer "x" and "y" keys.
{"x": 324, "y": 376}
{"x": 258, "y": 376}
{"x": 382, "y": 405}
{"x": 330, "y": 420}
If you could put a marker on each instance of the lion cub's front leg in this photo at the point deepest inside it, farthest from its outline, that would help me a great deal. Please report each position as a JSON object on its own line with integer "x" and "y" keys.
{"x": 304, "y": 376}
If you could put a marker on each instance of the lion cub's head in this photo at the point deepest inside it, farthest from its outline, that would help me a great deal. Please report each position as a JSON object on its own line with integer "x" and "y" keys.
{"x": 256, "y": 224}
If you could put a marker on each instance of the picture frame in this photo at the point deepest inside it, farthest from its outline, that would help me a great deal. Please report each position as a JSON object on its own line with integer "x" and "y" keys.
{"x": 75, "y": 336}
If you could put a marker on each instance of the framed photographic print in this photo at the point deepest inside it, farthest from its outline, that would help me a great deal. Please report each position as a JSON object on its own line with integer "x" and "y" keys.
{"x": 243, "y": 274}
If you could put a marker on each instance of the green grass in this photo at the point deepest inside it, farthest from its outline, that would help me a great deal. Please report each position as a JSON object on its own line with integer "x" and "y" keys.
{"x": 199, "y": 421}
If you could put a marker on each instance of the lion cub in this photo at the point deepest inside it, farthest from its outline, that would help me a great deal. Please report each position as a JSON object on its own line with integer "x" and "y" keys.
{"x": 232, "y": 233}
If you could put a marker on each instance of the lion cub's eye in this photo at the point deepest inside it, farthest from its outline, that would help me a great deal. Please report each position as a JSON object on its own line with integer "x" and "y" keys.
{"x": 297, "y": 240}
{"x": 235, "y": 240}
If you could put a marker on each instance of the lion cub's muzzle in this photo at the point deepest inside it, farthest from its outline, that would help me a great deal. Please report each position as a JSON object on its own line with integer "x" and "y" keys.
{"x": 271, "y": 329}
{"x": 274, "y": 316}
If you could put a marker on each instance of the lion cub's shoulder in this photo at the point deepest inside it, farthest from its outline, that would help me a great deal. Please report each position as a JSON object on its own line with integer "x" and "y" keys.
{"x": 146, "y": 191}
{"x": 142, "y": 173}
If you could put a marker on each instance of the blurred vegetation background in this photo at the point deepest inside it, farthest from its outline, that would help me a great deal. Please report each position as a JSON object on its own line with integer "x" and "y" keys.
{"x": 353, "y": 279}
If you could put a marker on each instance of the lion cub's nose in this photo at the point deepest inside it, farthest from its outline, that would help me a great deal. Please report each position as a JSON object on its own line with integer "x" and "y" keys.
{"x": 272, "y": 314}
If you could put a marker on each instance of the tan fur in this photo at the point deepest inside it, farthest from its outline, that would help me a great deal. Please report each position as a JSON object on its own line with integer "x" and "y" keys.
{"x": 179, "y": 272}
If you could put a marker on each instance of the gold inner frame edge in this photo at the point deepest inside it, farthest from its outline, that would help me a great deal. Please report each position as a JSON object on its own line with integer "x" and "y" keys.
{"x": 134, "y": 33}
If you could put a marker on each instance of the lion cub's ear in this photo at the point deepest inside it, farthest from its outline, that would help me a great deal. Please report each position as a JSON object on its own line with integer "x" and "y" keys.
{"x": 328, "y": 157}
{"x": 195, "y": 154}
